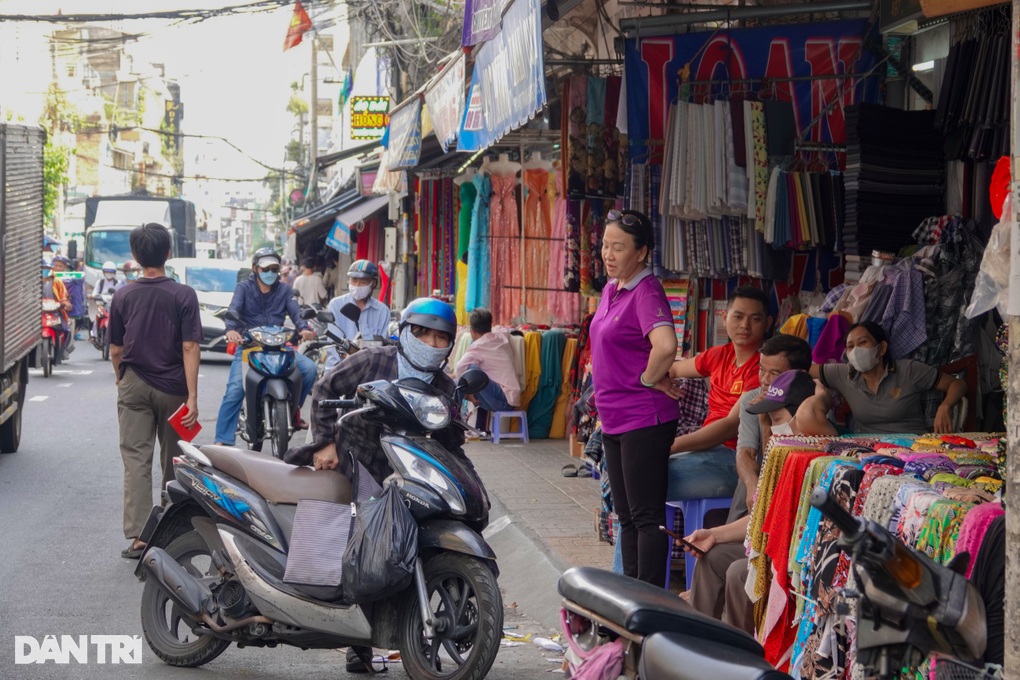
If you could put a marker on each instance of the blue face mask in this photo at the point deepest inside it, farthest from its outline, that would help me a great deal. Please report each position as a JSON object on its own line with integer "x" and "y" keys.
{"x": 46, "y": 273}
{"x": 268, "y": 278}
{"x": 131, "y": 276}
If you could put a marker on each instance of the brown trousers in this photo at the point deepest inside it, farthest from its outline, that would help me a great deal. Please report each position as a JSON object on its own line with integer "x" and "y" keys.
{"x": 142, "y": 412}
{"x": 717, "y": 589}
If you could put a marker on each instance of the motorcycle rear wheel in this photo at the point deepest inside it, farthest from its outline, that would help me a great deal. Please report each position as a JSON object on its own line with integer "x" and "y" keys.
{"x": 464, "y": 596}
{"x": 105, "y": 342}
{"x": 167, "y": 630}
{"x": 280, "y": 412}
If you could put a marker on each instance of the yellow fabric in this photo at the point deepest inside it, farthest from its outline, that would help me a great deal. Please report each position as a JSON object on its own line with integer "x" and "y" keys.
{"x": 532, "y": 367}
{"x": 796, "y": 325}
{"x": 517, "y": 346}
{"x": 558, "y": 429}
{"x": 462, "y": 315}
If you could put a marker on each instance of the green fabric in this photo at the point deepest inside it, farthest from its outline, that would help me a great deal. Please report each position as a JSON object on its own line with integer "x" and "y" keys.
{"x": 540, "y": 410}
{"x": 468, "y": 192}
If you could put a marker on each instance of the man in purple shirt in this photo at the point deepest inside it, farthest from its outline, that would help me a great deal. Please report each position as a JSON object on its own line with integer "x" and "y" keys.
{"x": 154, "y": 334}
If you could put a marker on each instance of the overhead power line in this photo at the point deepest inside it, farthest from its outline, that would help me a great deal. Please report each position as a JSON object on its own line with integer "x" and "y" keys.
{"x": 193, "y": 15}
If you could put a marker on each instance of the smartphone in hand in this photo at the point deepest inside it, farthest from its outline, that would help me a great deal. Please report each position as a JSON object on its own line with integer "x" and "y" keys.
{"x": 684, "y": 542}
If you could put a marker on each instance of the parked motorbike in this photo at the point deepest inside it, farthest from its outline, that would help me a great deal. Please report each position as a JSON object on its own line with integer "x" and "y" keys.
{"x": 101, "y": 341}
{"x": 52, "y": 347}
{"x": 910, "y": 607}
{"x": 218, "y": 550}
{"x": 271, "y": 387}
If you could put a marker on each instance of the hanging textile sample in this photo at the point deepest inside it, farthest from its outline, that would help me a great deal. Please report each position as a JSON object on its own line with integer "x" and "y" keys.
{"x": 479, "y": 254}
{"x": 594, "y": 150}
{"x": 505, "y": 250}
{"x": 538, "y": 229}
{"x": 467, "y": 194}
{"x": 563, "y": 306}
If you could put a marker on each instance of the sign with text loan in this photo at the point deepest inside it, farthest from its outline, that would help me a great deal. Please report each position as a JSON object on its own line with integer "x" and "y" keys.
{"x": 508, "y": 83}
{"x": 369, "y": 117}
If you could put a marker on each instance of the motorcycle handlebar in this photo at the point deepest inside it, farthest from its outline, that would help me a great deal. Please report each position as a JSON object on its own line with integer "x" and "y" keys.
{"x": 339, "y": 403}
{"x": 848, "y": 525}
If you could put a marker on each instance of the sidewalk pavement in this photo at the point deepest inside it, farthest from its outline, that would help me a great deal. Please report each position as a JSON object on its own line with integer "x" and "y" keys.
{"x": 541, "y": 522}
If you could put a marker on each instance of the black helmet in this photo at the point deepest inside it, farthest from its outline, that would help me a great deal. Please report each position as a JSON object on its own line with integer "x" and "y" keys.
{"x": 265, "y": 253}
{"x": 363, "y": 269}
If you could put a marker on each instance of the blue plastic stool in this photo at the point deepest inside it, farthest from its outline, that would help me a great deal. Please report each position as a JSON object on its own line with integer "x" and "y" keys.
{"x": 497, "y": 426}
{"x": 694, "y": 511}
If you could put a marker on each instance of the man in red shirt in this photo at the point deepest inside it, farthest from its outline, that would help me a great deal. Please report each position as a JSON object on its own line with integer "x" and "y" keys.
{"x": 732, "y": 369}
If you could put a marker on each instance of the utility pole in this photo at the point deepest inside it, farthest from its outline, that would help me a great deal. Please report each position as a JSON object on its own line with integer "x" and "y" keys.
{"x": 1012, "y": 614}
{"x": 314, "y": 113}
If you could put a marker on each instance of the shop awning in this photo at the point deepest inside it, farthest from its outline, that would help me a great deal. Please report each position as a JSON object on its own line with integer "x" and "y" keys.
{"x": 330, "y": 158}
{"x": 364, "y": 208}
{"x": 325, "y": 212}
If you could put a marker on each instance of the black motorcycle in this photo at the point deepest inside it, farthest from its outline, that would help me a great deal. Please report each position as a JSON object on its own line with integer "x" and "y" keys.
{"x": 218, "y": 551}
{"x": 910, "y": 607}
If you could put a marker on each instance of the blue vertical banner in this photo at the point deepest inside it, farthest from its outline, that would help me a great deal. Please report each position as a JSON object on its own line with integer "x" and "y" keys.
{"x": 508, "y": 83}
{"x": 766, "y": 57}
{"x": 339, "y": 238}
{"x": 404, "y": 135}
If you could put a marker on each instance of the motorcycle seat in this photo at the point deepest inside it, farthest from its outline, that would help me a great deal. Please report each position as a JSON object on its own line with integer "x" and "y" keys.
{"x": 643, "y": 609}
{"x": 670, "y": 655}
{"x": 277, "y": 481}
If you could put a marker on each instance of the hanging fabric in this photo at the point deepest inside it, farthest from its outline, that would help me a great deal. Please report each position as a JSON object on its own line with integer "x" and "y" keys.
{"x": 479, "y": 255}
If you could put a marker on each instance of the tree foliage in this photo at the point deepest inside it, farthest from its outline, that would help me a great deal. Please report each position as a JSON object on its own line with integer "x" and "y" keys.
{"x": 56, "y": 160}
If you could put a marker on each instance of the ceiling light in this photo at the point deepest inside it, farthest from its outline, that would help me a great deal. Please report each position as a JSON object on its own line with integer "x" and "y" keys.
{"x": 924, "y": 66}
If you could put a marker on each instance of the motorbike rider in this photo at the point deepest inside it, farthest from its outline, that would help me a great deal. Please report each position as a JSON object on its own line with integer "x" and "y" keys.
{"x": 106, "y": 286}
{"x": 54, "y": 289}
{"x": 76, "y": 298}
{"x": 362, "y": 280}
{"x": 131, "y": 270}
{"x": 427, "y": 331}
{"x": 261, "y": 300}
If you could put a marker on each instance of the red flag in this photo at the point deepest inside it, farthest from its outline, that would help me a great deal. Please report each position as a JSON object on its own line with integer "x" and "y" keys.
{"x": 299, "y": 24}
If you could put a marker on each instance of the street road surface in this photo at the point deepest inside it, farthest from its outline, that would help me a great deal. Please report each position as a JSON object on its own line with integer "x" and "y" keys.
{"x": 61, "y": 572}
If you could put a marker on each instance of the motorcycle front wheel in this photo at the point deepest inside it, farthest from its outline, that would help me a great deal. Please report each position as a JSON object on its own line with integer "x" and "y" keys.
{"x": 167, "y": 631}
{"x": 105, "y": 344}
{"x": 467, "y": 611}
{"x": 280, "y": 413}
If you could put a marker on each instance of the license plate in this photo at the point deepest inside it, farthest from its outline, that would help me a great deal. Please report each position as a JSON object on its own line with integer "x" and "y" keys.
{"x": 150, "y": 524}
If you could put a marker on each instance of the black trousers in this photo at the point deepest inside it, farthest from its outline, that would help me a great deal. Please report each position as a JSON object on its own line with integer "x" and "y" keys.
{"x": 637, "y": 463}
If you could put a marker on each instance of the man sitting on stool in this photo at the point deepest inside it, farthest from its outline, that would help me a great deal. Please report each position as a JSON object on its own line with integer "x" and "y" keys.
{"x": 490, "y": 352}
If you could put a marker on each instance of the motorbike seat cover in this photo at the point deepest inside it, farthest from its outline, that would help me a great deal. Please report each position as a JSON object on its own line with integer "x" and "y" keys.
{"x": 277, "y": 481}
{"x": 643, "y": 608}
{"x": 663, "y": 654}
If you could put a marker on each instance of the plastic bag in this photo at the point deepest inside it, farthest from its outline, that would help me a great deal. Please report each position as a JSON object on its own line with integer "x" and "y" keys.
{"x": 991, "y": 288}
{"x": 379, "y": 559}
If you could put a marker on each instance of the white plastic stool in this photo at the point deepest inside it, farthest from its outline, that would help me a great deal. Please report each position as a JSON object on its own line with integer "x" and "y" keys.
{"x": 497, "y": 426}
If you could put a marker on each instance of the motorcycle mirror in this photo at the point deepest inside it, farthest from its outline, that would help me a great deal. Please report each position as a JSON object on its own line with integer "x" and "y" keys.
{"x": 308, "y": 314}
{"x": 473, "y": 381}
{"x": 325, "y": 317}
{"x": 352, "y": 312}
{"x": 231, "y": 315}
{"x": 72, "y": 249}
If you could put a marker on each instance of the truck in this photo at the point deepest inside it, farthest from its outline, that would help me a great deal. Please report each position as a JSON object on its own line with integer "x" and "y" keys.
{"x": 21, "y": 244}
{"x": 110, "y": 219}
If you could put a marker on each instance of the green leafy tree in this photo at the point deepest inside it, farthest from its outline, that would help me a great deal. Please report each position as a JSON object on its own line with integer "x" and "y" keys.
{"x": 56, "y": 160}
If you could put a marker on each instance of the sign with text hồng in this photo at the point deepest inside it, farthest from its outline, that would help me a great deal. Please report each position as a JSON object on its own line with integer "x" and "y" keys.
{"x": 369, "y": 117}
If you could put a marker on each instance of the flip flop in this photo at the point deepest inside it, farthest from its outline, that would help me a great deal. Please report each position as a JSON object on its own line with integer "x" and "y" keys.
{"x": 569, "y": 470}
{"x": 585, "y": 470}
{"x": 132, "y": 553}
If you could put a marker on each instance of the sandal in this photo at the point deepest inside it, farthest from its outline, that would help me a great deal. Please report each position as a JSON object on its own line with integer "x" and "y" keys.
{"x": 585, "y": 470}
{"x": 569, "y": 470}
{"x": 131, "y": 552}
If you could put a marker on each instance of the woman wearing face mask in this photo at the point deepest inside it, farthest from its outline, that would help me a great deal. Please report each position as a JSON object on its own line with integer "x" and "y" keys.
{"x": 886, "y": 396}
{"x": 362, "y": 279}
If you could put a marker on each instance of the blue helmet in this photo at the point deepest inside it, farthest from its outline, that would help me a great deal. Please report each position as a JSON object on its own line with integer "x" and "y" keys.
{"x": 430, "y": 313}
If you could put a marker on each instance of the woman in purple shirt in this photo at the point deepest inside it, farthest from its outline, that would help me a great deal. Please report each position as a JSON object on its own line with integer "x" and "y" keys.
{"x": 633, "y": 346}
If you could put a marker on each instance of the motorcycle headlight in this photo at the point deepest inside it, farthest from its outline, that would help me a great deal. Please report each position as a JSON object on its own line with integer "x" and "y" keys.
{"x": 270, "y": 339}
{"x": 431, "y": 411}
{"x": 411, "y": 465}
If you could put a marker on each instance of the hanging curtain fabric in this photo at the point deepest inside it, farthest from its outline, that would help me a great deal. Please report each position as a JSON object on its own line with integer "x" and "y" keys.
{"x": 468, "y": 191}
{"x": 538, "y": 230}
{"x": 505, "y": 250}
{"x": 576, "y": 99}
{"x": 479, "y": 270}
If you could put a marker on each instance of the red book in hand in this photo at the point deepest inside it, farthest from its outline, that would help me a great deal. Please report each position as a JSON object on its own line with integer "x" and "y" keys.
{"x": 186, "y": 433}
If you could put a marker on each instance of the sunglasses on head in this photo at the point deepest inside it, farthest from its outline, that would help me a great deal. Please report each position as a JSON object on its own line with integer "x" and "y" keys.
{"x": 623, "y": 218}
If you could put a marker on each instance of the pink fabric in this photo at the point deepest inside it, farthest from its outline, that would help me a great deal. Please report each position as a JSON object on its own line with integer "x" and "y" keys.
{"x": 832, "y": 342}
{"x": 972, "y": 531}
{"x": 565, "y": 307}
{"x": 493, "y": 354}
{"x": 606, "y": 663}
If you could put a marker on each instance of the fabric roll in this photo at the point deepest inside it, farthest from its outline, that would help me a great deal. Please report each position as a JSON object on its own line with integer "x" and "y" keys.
{"x": 541, "y": 406}
{"x": 558, "y": 428}
{"x": 532, "y": 368}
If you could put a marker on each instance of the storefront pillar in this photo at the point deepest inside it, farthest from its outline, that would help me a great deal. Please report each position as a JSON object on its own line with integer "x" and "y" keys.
{"x": 1012, "y": 617}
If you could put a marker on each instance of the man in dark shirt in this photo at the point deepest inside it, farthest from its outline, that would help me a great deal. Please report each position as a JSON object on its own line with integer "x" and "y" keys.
{"x": 261, "y": 300}
{"x": 154, "y": 334}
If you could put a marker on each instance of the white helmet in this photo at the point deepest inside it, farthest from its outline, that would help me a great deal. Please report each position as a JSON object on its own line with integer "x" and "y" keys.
{"x": 109, "y": 266}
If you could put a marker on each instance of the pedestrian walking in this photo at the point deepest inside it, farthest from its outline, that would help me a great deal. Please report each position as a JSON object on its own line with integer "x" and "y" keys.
{"x": 154, "y": 334}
